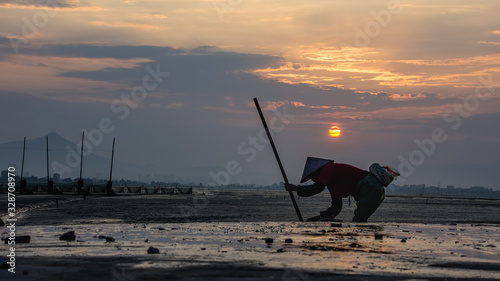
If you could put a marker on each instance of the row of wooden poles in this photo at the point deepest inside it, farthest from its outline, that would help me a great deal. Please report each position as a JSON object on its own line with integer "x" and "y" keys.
{"x": 109, "y": 191}
{"x": 50, "y": 183}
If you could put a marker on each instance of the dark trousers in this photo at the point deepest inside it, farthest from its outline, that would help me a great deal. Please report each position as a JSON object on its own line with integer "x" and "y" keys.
{"x": 369, "y": 195}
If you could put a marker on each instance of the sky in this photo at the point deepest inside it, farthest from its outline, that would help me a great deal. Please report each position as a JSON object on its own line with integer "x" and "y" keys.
{"x": 411, "y": 84}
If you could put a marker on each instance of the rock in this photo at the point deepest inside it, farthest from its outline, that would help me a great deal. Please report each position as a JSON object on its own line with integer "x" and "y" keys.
{"x": 146, "y": 241}
{"x": 336, "y": 225}
{"x": 153, "y": 250}
{"x": 21, "y": 239}
{"x": 379, "y": 236}
{"x": 403, "y": 240}
{"x": 288, "y": 240}
{"x": 108, "y": 238}
{"x": 1, "y": 222}
{"x": 68, "y": 236}
{"x": 281, "y": 250}
{"x": 269, "y": 240}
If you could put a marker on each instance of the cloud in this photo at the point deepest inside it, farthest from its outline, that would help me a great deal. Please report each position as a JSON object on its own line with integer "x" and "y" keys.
{"x": 209, "y": 93}
{"x": 207, "y": 75}
{"x": 99, "y": 51}
{"x": 173, "y": 105}
{"x": 124, "y": 25}
{"x": 492, "y": 43}
{"x": 39, "y": 3}
{"x": 63, "y": 5}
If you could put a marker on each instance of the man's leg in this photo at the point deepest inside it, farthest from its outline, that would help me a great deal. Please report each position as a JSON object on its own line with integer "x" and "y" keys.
{"x": 370, "y": 195}
{"x": 363, "y": 212}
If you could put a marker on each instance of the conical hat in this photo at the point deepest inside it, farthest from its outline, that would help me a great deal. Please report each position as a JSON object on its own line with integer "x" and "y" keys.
{"x": 312, "y": 165}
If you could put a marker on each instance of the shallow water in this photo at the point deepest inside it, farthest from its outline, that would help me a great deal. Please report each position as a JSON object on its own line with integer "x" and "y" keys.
{"x": 222, "y": 235}
{"x": 429, "y": 250}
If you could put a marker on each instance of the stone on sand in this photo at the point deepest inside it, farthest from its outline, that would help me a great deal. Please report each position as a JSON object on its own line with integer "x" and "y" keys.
{"x": 108, "y": 238}
{"x": 153, "y": 250}
{"x": 68, "y": 236}
{"x": 20, "y": 239}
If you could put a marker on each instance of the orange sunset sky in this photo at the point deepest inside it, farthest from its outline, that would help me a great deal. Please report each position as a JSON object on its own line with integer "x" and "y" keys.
{"x": 394, "y": 76}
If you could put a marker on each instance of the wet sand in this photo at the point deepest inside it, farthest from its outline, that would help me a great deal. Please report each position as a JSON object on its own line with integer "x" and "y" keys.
{"x": 221, "y": 235}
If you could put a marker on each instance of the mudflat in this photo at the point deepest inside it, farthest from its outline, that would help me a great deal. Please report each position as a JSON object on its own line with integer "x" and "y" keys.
{"x": 251, "y": 235}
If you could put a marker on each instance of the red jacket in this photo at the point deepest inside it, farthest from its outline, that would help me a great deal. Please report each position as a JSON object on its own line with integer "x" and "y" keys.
{"x": 341, "y": 180}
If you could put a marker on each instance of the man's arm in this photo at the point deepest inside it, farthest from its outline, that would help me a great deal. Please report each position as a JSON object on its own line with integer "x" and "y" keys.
{"x": 334, "y": 209}
{"x": 306, "y": 190}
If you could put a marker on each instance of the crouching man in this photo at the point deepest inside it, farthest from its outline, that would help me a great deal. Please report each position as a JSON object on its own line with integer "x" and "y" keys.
{"x": 343, "y": 180}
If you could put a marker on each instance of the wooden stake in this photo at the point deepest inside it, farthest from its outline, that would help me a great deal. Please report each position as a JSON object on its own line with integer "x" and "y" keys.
{"x": 47, "y": 142}
{"x": 81, "y": 155}
{"x": 112, "y": 157}
{"x": 277, "y": 157}
{"x": 22, "y": 165}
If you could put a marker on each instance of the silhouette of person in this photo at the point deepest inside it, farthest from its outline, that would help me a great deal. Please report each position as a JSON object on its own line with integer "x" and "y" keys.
{"x": 343, "y": 180}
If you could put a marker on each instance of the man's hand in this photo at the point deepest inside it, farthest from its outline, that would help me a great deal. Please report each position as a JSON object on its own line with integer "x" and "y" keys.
{"x": 290, "y": 187}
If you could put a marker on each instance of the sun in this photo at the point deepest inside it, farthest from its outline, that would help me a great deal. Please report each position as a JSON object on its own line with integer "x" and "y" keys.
{"x": 334, "y": 131}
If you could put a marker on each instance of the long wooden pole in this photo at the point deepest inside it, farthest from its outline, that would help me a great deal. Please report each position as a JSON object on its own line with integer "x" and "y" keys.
{"x": 22, "y": 165}
{"x": 22, "y": 183}
{"x": 112, "y": 157}
{"x": 47, "y": 142}
{"x": 79, "y": 188}
{"x": 109, "y": 185}
{"x": 49, "y": 183}
{"x": 277, "y": 157}
{"x": 81, "y": 155}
